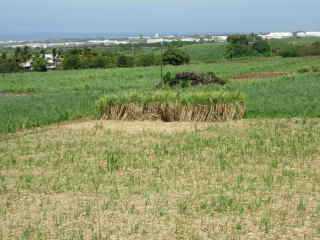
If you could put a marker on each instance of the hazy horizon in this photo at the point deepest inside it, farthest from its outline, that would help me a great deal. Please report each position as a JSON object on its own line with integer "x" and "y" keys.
{"x": 36, "y": 17}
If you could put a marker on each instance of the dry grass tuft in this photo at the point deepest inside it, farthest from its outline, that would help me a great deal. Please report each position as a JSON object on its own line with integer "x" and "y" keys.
{"x": 170, "y": 106}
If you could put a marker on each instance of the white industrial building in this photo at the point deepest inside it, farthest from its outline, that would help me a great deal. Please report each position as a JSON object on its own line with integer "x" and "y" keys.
{"x": 277, "y": 35}
{"x": 220, "y": 38}
{"x": 308, "y": 34}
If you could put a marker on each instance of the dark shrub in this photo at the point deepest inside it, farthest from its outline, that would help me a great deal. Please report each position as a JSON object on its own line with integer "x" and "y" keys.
{"x": 262, "y": 47}
{"x": 39, "y": 64}
{"x": 167, "y": 78}
{"x": 94, "y": 61}
{"x": 8, "y": 65}
{"x": 176, "y": 57}
{"x": 125, "y": 61}
{"x": 247, "y": 45}
{"x": 304, "y": 70}
{"x": 310, "y": 50}
{"x": 289, "y": 51}
{"x": 71, "y": 61}
{"x": 315, "y": 69}
{"x": 146, "y": 60}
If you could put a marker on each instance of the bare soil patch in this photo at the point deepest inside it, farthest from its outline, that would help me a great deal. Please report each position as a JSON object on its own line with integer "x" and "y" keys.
{"x": 138, "y": 126}
{"x": 260, "y": 75}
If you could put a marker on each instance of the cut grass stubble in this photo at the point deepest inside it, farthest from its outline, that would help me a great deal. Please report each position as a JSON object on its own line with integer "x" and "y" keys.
{"x": 170, "y": 106}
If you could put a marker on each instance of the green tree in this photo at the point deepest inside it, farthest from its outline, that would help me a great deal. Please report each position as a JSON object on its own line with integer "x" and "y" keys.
{"x": 125, "y": 61}
{"x": 54, "y": 55}
{"x": 99, "y": 61}
{"x": 262, "y": 47}
{"x": 18, "y": 55}
{"x": 71, "y": 61}
{"x": 39, "y": 64}
{"x": 8, "y": 65}
{"x": 3, "y": 56}
{"x": 289, "y": 51}
{"x": 175, "y": 56}
{"x": 93, "y": 61}
{"x": 110, "y": 60}
{"x": 247, "y": 45}
{"x": 26, "y": 53}
{"x": 42, "y": 53}
{"x": 146, "y": 60}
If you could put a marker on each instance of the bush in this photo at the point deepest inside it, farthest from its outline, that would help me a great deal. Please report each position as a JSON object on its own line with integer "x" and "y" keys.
{"x": 71, "y": 61}
{"x": 94, "y": 61}
{"x": 39, "y": 64}
{"x": 3, "y": 56}
{"x": 315, "y": 69}
{"x": 289, "y": 51}
{"x": 262, "y": 47}
{"x": 8, "y": 65}
{"x": 304, "y": 70}
{"x": 125, "y": 61}
{"x": 175, "y": 57}
{"x": 247, "y": 45}
{"x": 309, "y": 50}
{"x": 301, "y": 51}
{"x": 307, "y": 69}
{"x": 146, "y": 60}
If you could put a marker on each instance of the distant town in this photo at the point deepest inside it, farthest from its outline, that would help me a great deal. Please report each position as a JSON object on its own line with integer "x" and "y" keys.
{"x": 144, "y": 39}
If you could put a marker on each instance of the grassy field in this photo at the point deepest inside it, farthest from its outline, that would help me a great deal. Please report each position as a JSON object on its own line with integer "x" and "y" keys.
{"x": 206, "y": 53}
{"x": 251, "y": 179}
{"x": 36, "y": 99}
{"x": 280, "y": 43}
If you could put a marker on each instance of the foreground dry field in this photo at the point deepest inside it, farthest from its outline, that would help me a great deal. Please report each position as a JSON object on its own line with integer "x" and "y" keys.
{"x": 250, "y": 179}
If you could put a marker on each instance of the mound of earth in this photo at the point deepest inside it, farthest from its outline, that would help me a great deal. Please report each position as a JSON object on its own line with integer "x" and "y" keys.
{"x": 193, "y": 79}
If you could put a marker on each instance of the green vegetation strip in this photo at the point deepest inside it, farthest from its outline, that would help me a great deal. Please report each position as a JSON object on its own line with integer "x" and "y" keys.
{"x": 173, "y": 106}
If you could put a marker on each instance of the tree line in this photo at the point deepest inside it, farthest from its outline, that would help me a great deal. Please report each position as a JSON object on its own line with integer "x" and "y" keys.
{"x": 254, "y": 45}
{"x": 247, "y": 45}
{"x": 85, "y": 58}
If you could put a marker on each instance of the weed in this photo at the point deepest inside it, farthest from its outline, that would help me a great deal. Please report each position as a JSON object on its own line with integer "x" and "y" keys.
{"x": 301, "y": 206}
{"x": 113, "y": 161}
{"x": 265, "y": 224}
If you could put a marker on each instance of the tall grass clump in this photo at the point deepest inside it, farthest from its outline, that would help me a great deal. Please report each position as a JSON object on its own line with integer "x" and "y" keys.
{"x": 173, "y": 106}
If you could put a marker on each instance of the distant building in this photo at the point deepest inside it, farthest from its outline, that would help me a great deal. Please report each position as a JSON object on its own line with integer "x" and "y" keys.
{"x": 51, "y": 61}
{"x": 159, "y": 40}
{"x": 308, "y": 34}
{"x": 26, "y": 65}
{"x": 277, "y": 35}
{"x": 220, "y": 38}
{"x": 190, "y": 39}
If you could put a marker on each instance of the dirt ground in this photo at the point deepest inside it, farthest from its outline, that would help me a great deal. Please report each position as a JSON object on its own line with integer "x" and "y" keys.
{"x": 138, "y": 126}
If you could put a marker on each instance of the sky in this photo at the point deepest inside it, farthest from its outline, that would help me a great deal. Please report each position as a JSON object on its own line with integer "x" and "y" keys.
{"x": 157, "y": 16}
